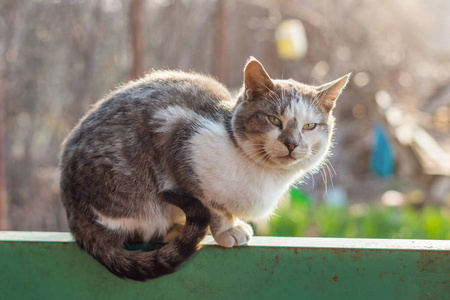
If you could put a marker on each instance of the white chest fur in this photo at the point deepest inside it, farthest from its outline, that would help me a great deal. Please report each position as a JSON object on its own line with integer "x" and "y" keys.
{"x": 230, "y": 179}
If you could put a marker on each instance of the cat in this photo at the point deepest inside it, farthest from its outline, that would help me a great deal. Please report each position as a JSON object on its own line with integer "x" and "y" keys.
{"x": 173, "y": 155}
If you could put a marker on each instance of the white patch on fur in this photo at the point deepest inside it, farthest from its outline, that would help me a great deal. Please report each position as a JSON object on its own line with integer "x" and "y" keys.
{"x": 229, "y": 178}
{"x": 157, "y": 225}
{"x": 301, "y": 110}
{"x": 171, "y": 115}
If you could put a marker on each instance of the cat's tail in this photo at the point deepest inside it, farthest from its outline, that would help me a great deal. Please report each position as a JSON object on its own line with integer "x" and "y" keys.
{"x": 107, "y": 247}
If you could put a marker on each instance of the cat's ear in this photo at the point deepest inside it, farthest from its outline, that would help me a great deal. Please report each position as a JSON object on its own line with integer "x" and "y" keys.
{"x": 329, "y": 92}
{"x": 256, "y": 79}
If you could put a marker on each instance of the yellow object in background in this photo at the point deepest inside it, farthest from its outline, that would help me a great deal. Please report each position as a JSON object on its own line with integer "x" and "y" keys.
{"x": 292, "y": 43}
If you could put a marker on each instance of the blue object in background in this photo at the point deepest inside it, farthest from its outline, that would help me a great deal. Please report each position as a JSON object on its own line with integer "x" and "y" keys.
{"x": 383, "y": 156}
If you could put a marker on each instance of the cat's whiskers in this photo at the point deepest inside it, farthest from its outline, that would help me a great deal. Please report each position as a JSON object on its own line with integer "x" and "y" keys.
{"x": 320, "y": 169}
{"x": 310, "y": 172}
{"x": 255, "y": 156}
{"x": 254, "y": 153}
{"x": 329, "y": 167}
{"x": 312, "y": 178}
{"x": 325, "y": 170}
{"x": 254, "y": 162}
{"x": 262, "y": 156}
{"x": 325, "y": 181}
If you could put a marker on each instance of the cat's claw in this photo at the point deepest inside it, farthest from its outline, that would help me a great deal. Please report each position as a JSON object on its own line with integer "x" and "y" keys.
{"x": 240, "y": 234}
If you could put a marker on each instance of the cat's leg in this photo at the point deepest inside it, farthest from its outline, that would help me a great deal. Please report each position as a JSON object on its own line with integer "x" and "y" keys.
{"x": 173, "y": 233}
{"x": 177, "y": 219}
{"x": 228, "y": 230}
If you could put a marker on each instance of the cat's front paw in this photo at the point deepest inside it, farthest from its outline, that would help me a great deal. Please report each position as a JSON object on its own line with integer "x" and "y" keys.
{"x": 240, "y": 234}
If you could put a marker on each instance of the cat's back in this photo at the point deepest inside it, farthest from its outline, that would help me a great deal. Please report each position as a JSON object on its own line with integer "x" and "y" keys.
{"x": 136, "y": 103}
{"x": 161, "y": 89}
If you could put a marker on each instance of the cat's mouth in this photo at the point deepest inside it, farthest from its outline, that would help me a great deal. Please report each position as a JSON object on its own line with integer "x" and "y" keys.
{"x": 286, "y": 159}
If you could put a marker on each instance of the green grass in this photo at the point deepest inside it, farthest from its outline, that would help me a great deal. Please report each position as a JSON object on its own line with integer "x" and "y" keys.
{"x": 300, "y": 217}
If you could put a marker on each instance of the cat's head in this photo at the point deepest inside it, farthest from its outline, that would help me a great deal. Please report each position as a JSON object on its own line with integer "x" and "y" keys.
{"x": 283, "y": 123}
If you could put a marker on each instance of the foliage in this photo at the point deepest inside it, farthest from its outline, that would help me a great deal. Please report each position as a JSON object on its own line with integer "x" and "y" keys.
{"x": 300, "y": 217}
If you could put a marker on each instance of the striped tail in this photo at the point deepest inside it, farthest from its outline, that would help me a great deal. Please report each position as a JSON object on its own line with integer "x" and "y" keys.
{"x": 107, "y": 247}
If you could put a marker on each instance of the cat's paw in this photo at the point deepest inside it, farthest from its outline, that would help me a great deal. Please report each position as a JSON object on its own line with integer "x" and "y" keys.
{"x": 240, "y": 234}
{"x": 173, "y": 233}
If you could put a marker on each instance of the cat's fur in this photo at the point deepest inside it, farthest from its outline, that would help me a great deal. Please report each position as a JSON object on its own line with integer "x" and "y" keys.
{"x": 174, "y": 142}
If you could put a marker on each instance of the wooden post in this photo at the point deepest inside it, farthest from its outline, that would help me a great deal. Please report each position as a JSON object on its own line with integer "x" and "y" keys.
{"x": 3, "y": 195}
{"x": 137, "y": 43}
{"x": 221, "y": 42}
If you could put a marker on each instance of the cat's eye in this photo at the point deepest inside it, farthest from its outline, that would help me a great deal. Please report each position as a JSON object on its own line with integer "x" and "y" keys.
{"x": 275, "y": 121}
{"x": 309, "y": 126}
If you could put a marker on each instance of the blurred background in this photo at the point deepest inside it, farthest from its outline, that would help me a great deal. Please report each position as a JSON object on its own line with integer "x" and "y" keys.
{"x": 389, "y": 173}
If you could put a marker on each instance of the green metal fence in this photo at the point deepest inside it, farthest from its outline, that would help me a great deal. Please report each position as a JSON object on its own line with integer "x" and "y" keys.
{"x": 48, "y": 265}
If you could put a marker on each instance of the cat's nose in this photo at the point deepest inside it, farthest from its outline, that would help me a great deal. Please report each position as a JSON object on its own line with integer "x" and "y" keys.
{"x": 291, "y": 145}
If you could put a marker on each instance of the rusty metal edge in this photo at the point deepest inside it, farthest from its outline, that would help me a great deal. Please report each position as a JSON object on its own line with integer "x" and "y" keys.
{"x": 260, "y": 241}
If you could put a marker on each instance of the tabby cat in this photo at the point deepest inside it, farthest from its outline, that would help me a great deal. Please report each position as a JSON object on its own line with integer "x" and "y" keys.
{"x": 173, "y": 155}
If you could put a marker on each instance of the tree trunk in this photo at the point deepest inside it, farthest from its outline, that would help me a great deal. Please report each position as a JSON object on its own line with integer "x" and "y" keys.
{"x": 221, "y": 42}
{"x": 3, "y": 195}
{"x": 136, "y": 22}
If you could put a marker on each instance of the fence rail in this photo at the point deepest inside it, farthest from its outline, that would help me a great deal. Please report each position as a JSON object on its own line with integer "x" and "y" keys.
{"x": 48, "y": 265}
